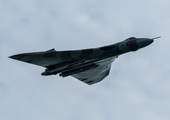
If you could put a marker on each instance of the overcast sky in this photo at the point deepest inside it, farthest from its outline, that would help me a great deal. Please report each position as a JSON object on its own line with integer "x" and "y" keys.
{"x": 138, "y": 85}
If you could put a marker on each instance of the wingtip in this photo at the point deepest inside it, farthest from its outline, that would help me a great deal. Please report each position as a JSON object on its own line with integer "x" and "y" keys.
{"x": 11, "y": 57}
{"x": 16, "y": 57}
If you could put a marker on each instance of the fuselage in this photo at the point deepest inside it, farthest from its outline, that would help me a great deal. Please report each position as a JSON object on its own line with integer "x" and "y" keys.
{"x": 92, "y": 57}
{"x": 128, "y": 45}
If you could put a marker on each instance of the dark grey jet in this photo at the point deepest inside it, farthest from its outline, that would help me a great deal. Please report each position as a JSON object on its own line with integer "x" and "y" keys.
{"x": 88, "y": 65}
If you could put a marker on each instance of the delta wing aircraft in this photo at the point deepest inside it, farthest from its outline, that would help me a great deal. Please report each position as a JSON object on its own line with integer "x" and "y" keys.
{"x": 88, "y": 65}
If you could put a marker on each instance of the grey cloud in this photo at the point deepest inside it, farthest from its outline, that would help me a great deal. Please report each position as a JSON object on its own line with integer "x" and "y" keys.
{"x": 138, "y": 84}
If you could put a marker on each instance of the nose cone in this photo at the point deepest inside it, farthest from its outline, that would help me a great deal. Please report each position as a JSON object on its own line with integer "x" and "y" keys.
{"x": 143, "y": 42}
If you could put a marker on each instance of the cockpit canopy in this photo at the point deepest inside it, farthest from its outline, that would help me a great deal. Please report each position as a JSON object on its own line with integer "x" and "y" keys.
{"x": 131, "y": 38}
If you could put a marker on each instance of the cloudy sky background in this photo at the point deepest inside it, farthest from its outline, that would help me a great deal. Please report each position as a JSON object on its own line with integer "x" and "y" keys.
{"x": 137, "y": 87}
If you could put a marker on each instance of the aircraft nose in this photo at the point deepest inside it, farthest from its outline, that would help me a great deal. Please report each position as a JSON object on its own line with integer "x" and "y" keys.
{"x": 143, "y": 42}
